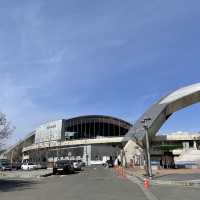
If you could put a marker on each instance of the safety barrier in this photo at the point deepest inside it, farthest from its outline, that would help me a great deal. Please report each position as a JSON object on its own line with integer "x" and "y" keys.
{"x": 119, "y": 171}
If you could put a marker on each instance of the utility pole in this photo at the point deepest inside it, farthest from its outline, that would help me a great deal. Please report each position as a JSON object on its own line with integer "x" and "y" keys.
{"x": 11, "y": 159}
{"x": 60, "y": 150}
{"x": 148, "y": 157}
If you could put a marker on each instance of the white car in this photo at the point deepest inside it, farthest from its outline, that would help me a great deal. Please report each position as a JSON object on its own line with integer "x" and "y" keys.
{"x": 97, "y": 162}
{"x": 29, "y": 166}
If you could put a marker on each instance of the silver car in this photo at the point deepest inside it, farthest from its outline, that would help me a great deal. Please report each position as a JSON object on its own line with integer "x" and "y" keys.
{"x": 5, "y": 165}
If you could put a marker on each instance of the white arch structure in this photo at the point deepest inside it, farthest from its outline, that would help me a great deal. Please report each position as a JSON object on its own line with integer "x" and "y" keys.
{"x": 163, "y": 109}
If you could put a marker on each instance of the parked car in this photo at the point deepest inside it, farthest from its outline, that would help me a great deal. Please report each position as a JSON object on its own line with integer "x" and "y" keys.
{"x": 83, "y": 164}
{"x": 63, "y": 166}
{"x": 29, "y": 166}
{"x": 98, "y": 162}
{"x": 42, "y": 166}
{"x": 16, "y": 165}
{"x": 77, "y": 164}
{"x": 5, "y": 165}
{"x": 110, "y": 163}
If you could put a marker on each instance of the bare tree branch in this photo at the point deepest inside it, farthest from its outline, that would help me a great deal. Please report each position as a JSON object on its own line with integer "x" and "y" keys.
{"x": 5, "y": 128}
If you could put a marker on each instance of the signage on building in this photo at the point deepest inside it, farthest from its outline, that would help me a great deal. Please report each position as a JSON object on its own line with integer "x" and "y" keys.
{"x": 50, "y": 131}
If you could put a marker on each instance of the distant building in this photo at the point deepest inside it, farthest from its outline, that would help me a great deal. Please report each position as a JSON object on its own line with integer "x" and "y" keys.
{"x": 95, "y": 138}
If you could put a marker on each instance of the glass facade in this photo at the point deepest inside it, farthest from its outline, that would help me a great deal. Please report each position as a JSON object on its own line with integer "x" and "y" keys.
{"x": 94, "y": 127}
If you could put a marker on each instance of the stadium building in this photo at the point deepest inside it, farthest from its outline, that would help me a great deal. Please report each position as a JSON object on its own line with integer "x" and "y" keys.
{"x": 95, "y": 138}
{"x": 92, "y": 138}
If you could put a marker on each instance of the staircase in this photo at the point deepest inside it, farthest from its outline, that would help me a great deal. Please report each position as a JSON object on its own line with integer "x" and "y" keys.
{"x": 188, "y": 156}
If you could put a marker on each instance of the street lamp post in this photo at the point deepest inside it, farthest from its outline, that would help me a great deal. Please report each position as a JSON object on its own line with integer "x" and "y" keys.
{"x": 69, "y": 155}
{"x": 148, "y": 158}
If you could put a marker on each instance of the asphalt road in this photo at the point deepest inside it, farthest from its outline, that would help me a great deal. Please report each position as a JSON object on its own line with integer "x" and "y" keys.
{"x": 91, "y": 184}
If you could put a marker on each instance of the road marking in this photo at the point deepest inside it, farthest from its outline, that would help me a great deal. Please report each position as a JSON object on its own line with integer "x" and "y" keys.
{"x": 149, "y": 195}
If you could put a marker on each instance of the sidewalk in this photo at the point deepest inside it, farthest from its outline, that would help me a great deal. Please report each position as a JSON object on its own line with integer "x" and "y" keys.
{"x": 26, "y": 174}
{"x": 179, "y": 177}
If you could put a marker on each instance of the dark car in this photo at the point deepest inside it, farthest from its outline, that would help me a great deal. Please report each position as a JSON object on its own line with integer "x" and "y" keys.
{"x": 16, "y": 165}
{"x": 110, "y": 163}
{"x": 5, "y": 165}
{"x": 83, "y": 164}
{"x": 63, "y": 167}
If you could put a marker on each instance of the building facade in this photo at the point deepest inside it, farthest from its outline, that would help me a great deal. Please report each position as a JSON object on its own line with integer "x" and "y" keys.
{"x": 92, "y": 138}
{"x": 96, "y": 138}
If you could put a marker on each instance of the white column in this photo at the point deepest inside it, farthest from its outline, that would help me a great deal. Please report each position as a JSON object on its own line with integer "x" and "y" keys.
{"x": 194, "y": 144}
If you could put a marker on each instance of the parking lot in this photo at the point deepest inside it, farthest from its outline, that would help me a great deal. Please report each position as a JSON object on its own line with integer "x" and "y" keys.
{"x": 92, "y": 183}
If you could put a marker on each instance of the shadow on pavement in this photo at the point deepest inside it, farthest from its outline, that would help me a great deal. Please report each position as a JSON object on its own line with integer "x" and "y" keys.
{"x": 7, "y": 185}
{"x": 66, "y": 174}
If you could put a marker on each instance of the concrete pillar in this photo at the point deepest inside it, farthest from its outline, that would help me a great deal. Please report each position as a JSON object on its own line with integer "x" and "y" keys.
{"x": 87, "y": 154}
{"x": 194, "y": 144}
{"x": 186, "y": 145}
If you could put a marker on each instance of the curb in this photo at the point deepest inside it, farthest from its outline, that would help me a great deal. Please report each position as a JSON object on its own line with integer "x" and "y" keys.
{"x": 148, "y": 193}
{"x": 188, "y": 183}
{"x": 141, "y": 178}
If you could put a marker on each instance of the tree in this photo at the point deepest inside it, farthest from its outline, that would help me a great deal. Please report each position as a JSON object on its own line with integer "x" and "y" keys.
{"x": 5, "y": 128}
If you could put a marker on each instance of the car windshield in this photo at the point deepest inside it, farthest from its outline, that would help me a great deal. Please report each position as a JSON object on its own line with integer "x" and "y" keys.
{"x": 5, "y": 163}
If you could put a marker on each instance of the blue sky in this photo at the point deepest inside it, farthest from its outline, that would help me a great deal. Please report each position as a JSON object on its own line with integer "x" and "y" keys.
{"x": 60, "y": 59}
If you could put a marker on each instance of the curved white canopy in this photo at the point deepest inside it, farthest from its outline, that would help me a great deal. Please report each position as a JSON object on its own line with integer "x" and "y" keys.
{"x": 159, "y": 112}
{"x": 182, "y": 92}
